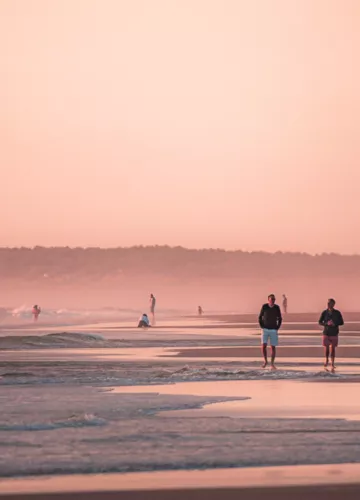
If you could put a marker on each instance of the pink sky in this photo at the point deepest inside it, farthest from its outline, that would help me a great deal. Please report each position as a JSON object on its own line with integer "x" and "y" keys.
{"x": 203, "y": 123}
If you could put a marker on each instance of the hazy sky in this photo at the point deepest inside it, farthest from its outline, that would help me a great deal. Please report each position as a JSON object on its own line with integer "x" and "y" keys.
{"x": 222, "y": 123}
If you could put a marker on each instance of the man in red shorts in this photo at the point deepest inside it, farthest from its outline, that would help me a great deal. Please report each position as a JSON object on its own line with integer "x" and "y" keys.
{"x": 331, "y": 319}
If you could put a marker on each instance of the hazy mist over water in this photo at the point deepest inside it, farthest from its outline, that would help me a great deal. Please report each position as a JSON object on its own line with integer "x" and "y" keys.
{"x": 181, "y": 279}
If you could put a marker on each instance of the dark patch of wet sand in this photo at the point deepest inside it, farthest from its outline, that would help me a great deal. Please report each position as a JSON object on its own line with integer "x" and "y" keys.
{"x": 301, "y": 328}
{"x": 322, "y": 482}
{"x": 289, "y": 318}
{"x": 251, "y": 352}
{"x": 313, "y": 492}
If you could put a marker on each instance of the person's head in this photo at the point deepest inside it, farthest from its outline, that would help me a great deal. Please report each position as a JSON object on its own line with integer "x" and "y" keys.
{"x": 284, "y": 296}
{"x": 271, "y": 299}
{"x": 151, "y": 296}
{"x": 331, "y": 303}
{"x": 144, "y": 314}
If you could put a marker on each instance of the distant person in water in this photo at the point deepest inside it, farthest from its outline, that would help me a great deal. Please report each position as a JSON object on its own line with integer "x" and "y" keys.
{"x": 144, "y": 321}
{"x": 330, "y": 319}
{"x": 152, "y": 307}
{"x": 200, "y": 311}
{"x": 36, "y": 311}
{"x": 285, "y": 304}
{"x": 270, "y": 320}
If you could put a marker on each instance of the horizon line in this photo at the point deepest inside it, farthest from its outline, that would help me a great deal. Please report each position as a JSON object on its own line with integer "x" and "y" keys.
{"x": 174, "y": 247}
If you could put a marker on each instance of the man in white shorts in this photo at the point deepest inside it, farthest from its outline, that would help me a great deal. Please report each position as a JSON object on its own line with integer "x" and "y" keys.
{"x": 270, "y": 320}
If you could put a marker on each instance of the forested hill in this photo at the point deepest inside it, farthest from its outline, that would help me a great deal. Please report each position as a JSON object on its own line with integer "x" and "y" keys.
{"x": 179, "y": 263}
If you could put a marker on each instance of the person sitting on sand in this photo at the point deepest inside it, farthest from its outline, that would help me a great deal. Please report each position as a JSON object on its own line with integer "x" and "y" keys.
{"x": 270, "y": 320}
{"x": 144, "y": 321}
{"x": 36, "y": 311}
{"x": 331, "y": 319}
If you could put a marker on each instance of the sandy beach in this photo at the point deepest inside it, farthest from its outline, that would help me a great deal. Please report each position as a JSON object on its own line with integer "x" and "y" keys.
{"x": 103, "y": 398}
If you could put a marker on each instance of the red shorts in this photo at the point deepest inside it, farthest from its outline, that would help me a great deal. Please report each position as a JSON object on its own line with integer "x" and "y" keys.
{"x": 330, "y": 341}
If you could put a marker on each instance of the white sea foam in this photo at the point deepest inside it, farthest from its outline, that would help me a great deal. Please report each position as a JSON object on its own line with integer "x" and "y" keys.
{"x": 85, "y": 420}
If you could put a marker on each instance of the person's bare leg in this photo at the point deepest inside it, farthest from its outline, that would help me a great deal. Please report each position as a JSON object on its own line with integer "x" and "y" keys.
{"x": 273, "y": 356}
{"x": 327, "y": 353}
{"x": 332, "y": 356}
{"x": 264, "y": 352}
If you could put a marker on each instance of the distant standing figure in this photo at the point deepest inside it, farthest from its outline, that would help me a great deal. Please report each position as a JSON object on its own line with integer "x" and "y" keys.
{"x": 152, "y": 307}
{"x": 285, "y": 304}
{"x": 270, "y": 320}
{"x": 331, "y": 319}
{"x": 144, "y": 321}
{"x": 36, "y": 310}
{"x": 200, "y": 311}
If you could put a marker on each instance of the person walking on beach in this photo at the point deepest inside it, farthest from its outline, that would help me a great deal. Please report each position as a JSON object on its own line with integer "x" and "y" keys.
{"x": 152, "y": 307}
{"x": 36, "y": 311}
{"x": 200, "y": 311}
{"x": 270, "y": 320}
{"x": 330, "y": 319}
{"x": 285, "y": 304}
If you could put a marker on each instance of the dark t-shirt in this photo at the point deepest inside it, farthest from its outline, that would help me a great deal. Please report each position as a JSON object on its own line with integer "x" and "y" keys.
{"x": 270, "y": 317}
{"x": 334, "y": 316}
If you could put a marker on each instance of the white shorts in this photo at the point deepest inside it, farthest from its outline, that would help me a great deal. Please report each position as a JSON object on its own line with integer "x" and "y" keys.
{"x": 270, "y": 335}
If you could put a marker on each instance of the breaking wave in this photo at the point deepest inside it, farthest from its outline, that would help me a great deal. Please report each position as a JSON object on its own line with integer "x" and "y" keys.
{"x": 189, "y": 373}
{"x": 75, "y": 421}
{"x": 54, "y": 340}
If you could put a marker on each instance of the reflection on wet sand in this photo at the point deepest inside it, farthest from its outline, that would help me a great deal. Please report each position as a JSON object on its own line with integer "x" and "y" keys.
{"x": 187, "y": 481}
{"x": 267, "y": 398}
{"x": 128, "y": 428}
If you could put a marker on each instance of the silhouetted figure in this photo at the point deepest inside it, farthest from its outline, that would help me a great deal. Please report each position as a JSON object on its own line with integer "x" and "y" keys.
{"x": 152, "y": 307}
{"x": 270, "y": 320}
{"x": 331, "y": 319}
{"x": 36, "y": 310}
{"x": 144, "y": 321}
{"x": 285, "y": 304}
{"x": 200, "y": 311}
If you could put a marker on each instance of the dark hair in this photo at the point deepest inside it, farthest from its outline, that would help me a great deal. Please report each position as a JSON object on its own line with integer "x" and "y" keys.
{"x": 271, "y": 296}
{"x": 332, "y": 300}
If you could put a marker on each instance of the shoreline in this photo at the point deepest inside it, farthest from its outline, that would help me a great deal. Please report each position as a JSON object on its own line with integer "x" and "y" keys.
{"x": 323, "y": 482}
{"x": 347, "y": 352}
{"x": 60, "y": 416}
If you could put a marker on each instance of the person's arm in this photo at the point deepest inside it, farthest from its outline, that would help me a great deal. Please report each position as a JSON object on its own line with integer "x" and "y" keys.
{"x": 322, "y": 319}
{"x": 340, "y": 321}
{"x": 279, "y": 318}
{"x": 261, "y": 317}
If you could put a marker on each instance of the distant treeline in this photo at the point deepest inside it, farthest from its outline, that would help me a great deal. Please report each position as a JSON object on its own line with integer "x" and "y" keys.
{"x": 64, "y": 263}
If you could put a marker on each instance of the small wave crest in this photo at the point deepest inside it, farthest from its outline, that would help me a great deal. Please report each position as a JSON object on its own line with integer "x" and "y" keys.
{"x": 53, "y": 340}
{"x": 75, "y": 421}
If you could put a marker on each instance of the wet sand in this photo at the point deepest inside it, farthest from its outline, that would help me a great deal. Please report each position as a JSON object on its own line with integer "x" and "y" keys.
{"x": 319, "y": 482}
{"x": 312, "y": 317}
{"x": 205, "y": 423}
{"x": 264, "y": 399}
{"x": 252, "y": 352}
